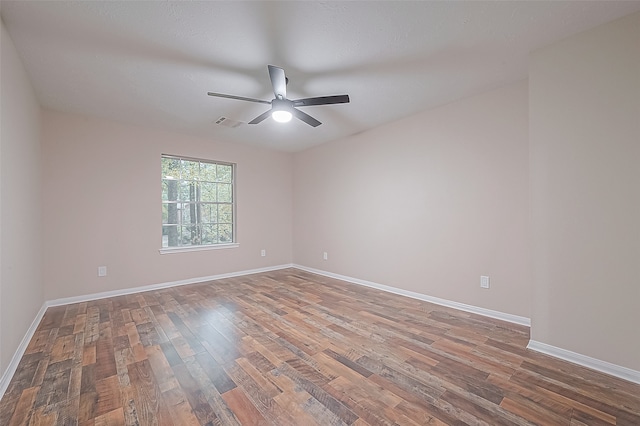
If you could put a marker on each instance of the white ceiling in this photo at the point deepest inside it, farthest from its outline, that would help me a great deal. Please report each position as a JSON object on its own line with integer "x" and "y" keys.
{"x": 152, "y": 63}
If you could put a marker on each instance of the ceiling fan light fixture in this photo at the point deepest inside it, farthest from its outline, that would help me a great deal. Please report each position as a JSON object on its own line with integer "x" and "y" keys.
{"x": 281, "y": 111}
{"x": 281, "y": 116}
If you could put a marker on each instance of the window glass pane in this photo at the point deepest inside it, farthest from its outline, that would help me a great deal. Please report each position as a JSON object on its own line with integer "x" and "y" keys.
{"x": 207, "y": 172}
{"x": 224, "y": 173}
{"x": 170, "y": 213}
{"x": 189, "y": 170}
{"x": 209, "y": 213}
{"x": 188, "y": 191}
{"x": 209, "y": 234}
{"x": 169, "y": 190}
{"x": 170, "y": 168}
{"x": 225, "y": 233}
{"x": 190, "y": 235}
{"x": 208, "y": 192}
{"x": 224, "y": 193}
{"x": 225, "y": 213}
{"x": 189, "y": 214}
{"x": 169, "y": 236}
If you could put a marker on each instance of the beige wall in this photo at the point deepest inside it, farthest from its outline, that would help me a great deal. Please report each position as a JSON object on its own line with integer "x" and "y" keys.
{"x": 102, "y": 206}
{"x": 21, "y": 293}
{"x": 585, "y": 186}
{"x": 426, "y": 204}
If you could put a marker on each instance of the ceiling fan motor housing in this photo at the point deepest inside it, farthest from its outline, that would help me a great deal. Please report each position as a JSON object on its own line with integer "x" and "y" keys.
{"x": 281, "y": 105}
{"x": 281, "y": 110}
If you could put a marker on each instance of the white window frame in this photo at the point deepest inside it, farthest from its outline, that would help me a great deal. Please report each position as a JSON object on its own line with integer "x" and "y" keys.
{"x": 200, "y": 247}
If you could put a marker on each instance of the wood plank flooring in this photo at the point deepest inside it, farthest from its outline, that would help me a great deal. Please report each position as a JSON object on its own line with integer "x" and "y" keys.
{"x": 293, "y": 348}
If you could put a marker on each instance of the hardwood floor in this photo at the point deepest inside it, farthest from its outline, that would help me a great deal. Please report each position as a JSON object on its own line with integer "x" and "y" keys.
{"x": 293, "y": 348}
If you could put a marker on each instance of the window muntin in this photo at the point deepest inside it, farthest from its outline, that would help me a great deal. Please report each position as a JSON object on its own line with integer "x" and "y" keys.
{"x": 198, "y": 202}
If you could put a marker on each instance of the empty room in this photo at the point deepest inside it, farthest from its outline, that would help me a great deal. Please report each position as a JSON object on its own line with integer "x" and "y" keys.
{"x": 320, "y": 213}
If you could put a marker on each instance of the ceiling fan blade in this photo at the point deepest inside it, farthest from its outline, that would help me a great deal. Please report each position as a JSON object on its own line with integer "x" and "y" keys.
{"x": 278, "y": 81}
{"x": 305, "y": 117}
{"x": 322, "y": 100}
{"x": 261, "y": 117}
{"x": 240, "y": 98}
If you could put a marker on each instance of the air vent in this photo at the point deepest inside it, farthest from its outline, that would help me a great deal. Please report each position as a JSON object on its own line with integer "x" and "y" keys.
{"x": 227, "y": 122}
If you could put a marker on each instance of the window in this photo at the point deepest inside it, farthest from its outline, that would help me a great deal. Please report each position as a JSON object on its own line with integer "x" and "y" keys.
{"x": 198, "y": 203}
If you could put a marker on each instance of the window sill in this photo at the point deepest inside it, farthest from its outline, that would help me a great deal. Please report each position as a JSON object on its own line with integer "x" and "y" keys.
{"x": 171, "y": 250}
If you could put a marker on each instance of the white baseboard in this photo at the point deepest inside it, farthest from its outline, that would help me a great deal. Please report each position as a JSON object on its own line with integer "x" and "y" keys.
{"x": 132, "y": 290}
{"x": 15, "y": 360}
{"x": 22, "y": 347}
{"x": 586, "y": 361}
{"x": 443, "y": 302}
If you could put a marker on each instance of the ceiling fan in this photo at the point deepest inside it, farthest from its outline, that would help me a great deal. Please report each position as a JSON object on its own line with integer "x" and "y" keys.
{"x": 282, "y": 109}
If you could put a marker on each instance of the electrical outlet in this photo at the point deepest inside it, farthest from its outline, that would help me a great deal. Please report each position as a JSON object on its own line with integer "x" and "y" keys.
{"x": 263, "y": 252}
{"x": 325, "y": 256}
{"x": 484, "y": 281}
{"x": 102, "y": 271}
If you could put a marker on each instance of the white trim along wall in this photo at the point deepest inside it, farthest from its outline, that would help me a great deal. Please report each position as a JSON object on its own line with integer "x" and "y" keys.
{"x": 443, "y": 302}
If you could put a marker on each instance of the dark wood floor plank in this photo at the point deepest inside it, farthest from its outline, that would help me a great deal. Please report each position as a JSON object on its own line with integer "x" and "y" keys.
{"x": 92, "y": 325}
{"x": 212, "y": 395}
{"x": 53, "y": 318}
{"x": 88, "y": 393}
{"x": 25, "y": 376}
{"x": 528, "y": 410}
{"x": 108, "y": 392}
{"x": 55, "y": 386}
{"x": 24, "y": 407}
{"x": 358, "y": 386}
{"x": 43, "y": 416}
{"x": 548, "y": 399}
{"x": 289, "y": 407}
{"x": 129, "y": 410}
{"x": 259, "y": 378}
{"x": 242, "y": 407}
{"x": 150, "y": 405}
{"x": 272, "y": 408}
{"x": 112, "y": 418}
{"x": 195, "y": 395}
{"x": 67, "y": 412}
{"x": 314, "y": 388}
{"x": 215, "y": 372}
{"x": 163, "y": 374}
{"x": 291, "y": 348}
{"x": 179, "y": 407}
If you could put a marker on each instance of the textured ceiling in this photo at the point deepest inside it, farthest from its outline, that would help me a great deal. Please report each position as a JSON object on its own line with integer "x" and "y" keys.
{"x": 152, "y": 63}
